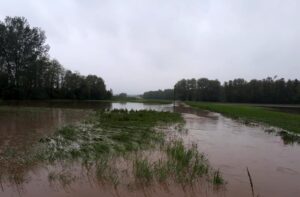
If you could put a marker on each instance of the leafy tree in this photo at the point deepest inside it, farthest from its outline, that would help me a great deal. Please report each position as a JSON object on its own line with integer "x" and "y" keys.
{"x": 27, "y": 72}
{"x": 269, "y": 90}
{"x": 159, "y": 94}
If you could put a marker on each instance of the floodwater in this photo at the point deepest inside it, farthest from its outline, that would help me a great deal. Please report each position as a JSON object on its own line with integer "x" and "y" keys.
{"x": 25, "y": 122}
{"x": 233, "y": 147}
{"x": 229, "y": 145}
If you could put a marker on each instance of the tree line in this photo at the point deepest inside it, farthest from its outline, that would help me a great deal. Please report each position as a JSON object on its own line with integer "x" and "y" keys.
{"x": 28, "y": 72}
{"x": 159, "y": 94}
{"x": 269, "y": 90}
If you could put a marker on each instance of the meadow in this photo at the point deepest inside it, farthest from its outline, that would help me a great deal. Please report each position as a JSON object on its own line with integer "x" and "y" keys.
{"x": 286, "y": 121}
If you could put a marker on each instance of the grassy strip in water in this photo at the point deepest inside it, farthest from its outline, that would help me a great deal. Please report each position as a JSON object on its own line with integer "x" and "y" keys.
{"x": 108, "y": 135}
{"x": 116, "y": 131}
{"x": 286, "y": 121}
{"x": 182, "y": 164}
{"x": 110, "y": 138}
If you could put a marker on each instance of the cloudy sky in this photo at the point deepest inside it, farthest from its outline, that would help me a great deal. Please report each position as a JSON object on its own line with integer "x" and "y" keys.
{"x": 140, "y": 45}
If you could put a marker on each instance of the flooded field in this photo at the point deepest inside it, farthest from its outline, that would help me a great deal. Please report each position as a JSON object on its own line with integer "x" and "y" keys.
{"x": 24, "y": 122}
{"x": 230, "y": 146}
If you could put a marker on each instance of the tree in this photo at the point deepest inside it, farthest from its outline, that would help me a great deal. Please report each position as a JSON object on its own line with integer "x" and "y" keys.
{"x": 167, "y": 94}
{"x": 266, "y": 90}
{"x": 20, "y": 47}
{"x": 27, "y": 72}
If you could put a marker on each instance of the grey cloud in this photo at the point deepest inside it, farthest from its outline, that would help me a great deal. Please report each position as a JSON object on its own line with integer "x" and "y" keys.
{"x": 142, "y": 45}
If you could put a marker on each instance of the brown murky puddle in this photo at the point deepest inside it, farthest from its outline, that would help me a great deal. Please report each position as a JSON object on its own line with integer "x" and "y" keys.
{"x": 20, "y": 127}
{"x": 232, "y": 147}
{"x": 228, "y": 144}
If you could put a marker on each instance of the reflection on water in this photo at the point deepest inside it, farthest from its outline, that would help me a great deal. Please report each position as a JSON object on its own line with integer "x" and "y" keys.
{"x": 20, "y": 127}
{"x": 25, "y": 122}
{"x": 229, "y": 145}
{"x": 59, "y": 104}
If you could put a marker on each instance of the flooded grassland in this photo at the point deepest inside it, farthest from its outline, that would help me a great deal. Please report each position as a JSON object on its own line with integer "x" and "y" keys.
{"x": 126, "y": 150}
{"x": 107, "y": 152}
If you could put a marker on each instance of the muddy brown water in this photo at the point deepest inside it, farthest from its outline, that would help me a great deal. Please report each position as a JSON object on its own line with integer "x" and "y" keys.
{"x": 229, "y": 145}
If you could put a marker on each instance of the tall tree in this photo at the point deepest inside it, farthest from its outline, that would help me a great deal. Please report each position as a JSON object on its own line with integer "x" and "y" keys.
{"x": 27, "y": 72}
{"x": 20, "y": 47}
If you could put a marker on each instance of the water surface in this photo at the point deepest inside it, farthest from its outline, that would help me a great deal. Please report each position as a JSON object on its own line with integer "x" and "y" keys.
{"x": 232, "y": 147}
{"x": 229, "y": 145}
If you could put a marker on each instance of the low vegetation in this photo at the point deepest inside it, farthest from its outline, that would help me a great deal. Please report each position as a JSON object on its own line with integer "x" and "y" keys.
{"x": 111, "y": 143}
{"x": 116, "y": 132}
{"x": 287, "y": 121}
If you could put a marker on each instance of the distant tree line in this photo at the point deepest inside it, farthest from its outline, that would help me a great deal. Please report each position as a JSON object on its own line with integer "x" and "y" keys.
{"x": 159, "y": 94}
{"x": 27, "y": 71}
{"x": 269, "y": 90}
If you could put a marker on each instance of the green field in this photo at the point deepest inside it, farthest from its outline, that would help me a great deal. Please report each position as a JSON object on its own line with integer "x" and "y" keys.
{"x": 286, "y": 121}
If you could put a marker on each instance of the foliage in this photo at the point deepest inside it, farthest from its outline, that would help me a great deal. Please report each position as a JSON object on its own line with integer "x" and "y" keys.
{"x": 262, "y": 91}
{"x": 167, "y": 94}
{"x": 116, "y": 131}
{"x": 27, "y": 72}
{"x": 267, "y": 90}
{"x": 198, "y": 90}
{"x": 185, "y": 165}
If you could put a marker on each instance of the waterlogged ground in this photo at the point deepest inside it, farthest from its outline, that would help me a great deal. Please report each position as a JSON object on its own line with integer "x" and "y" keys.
{"x": 231, "y": 146}
{"x": 273, "y": 161}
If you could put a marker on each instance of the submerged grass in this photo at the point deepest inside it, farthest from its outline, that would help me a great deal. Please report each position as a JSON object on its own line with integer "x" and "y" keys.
{"x": 116, "y": 132}
{"x": 101, "y": 141}
{"x": 182, "y": 164}
{"x": 286, "y": 121}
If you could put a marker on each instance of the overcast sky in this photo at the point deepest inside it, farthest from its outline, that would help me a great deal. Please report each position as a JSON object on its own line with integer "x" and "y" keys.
{"x": 140, "y": 45}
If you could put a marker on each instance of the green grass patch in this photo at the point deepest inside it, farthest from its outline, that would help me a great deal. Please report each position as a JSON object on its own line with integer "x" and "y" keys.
{"x": 116, "y": 131}
{"x": 109, "y": 138}
{"x": 286, "y": 121}
{"x": 184, "y": 165}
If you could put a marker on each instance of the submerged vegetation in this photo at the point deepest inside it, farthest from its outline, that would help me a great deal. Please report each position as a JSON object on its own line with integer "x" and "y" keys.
{"x": 116, "y": 147}
{"x": 286, "y": 121}
{"x": 184, "y": 165}
{"x": 116, "y": 132}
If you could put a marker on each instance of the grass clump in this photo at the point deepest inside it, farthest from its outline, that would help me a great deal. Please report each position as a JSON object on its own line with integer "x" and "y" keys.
{"x": 15, "y": 164}
{"x": 187, "y": 164}
{"x": 116, "y": 132}
{"x": 182, "y": 164}
{"x": 286, "y": 121}
{"x": 63, "y": 178}
{"x": 217, "y": 178}
{"x": 143, "y": 170}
